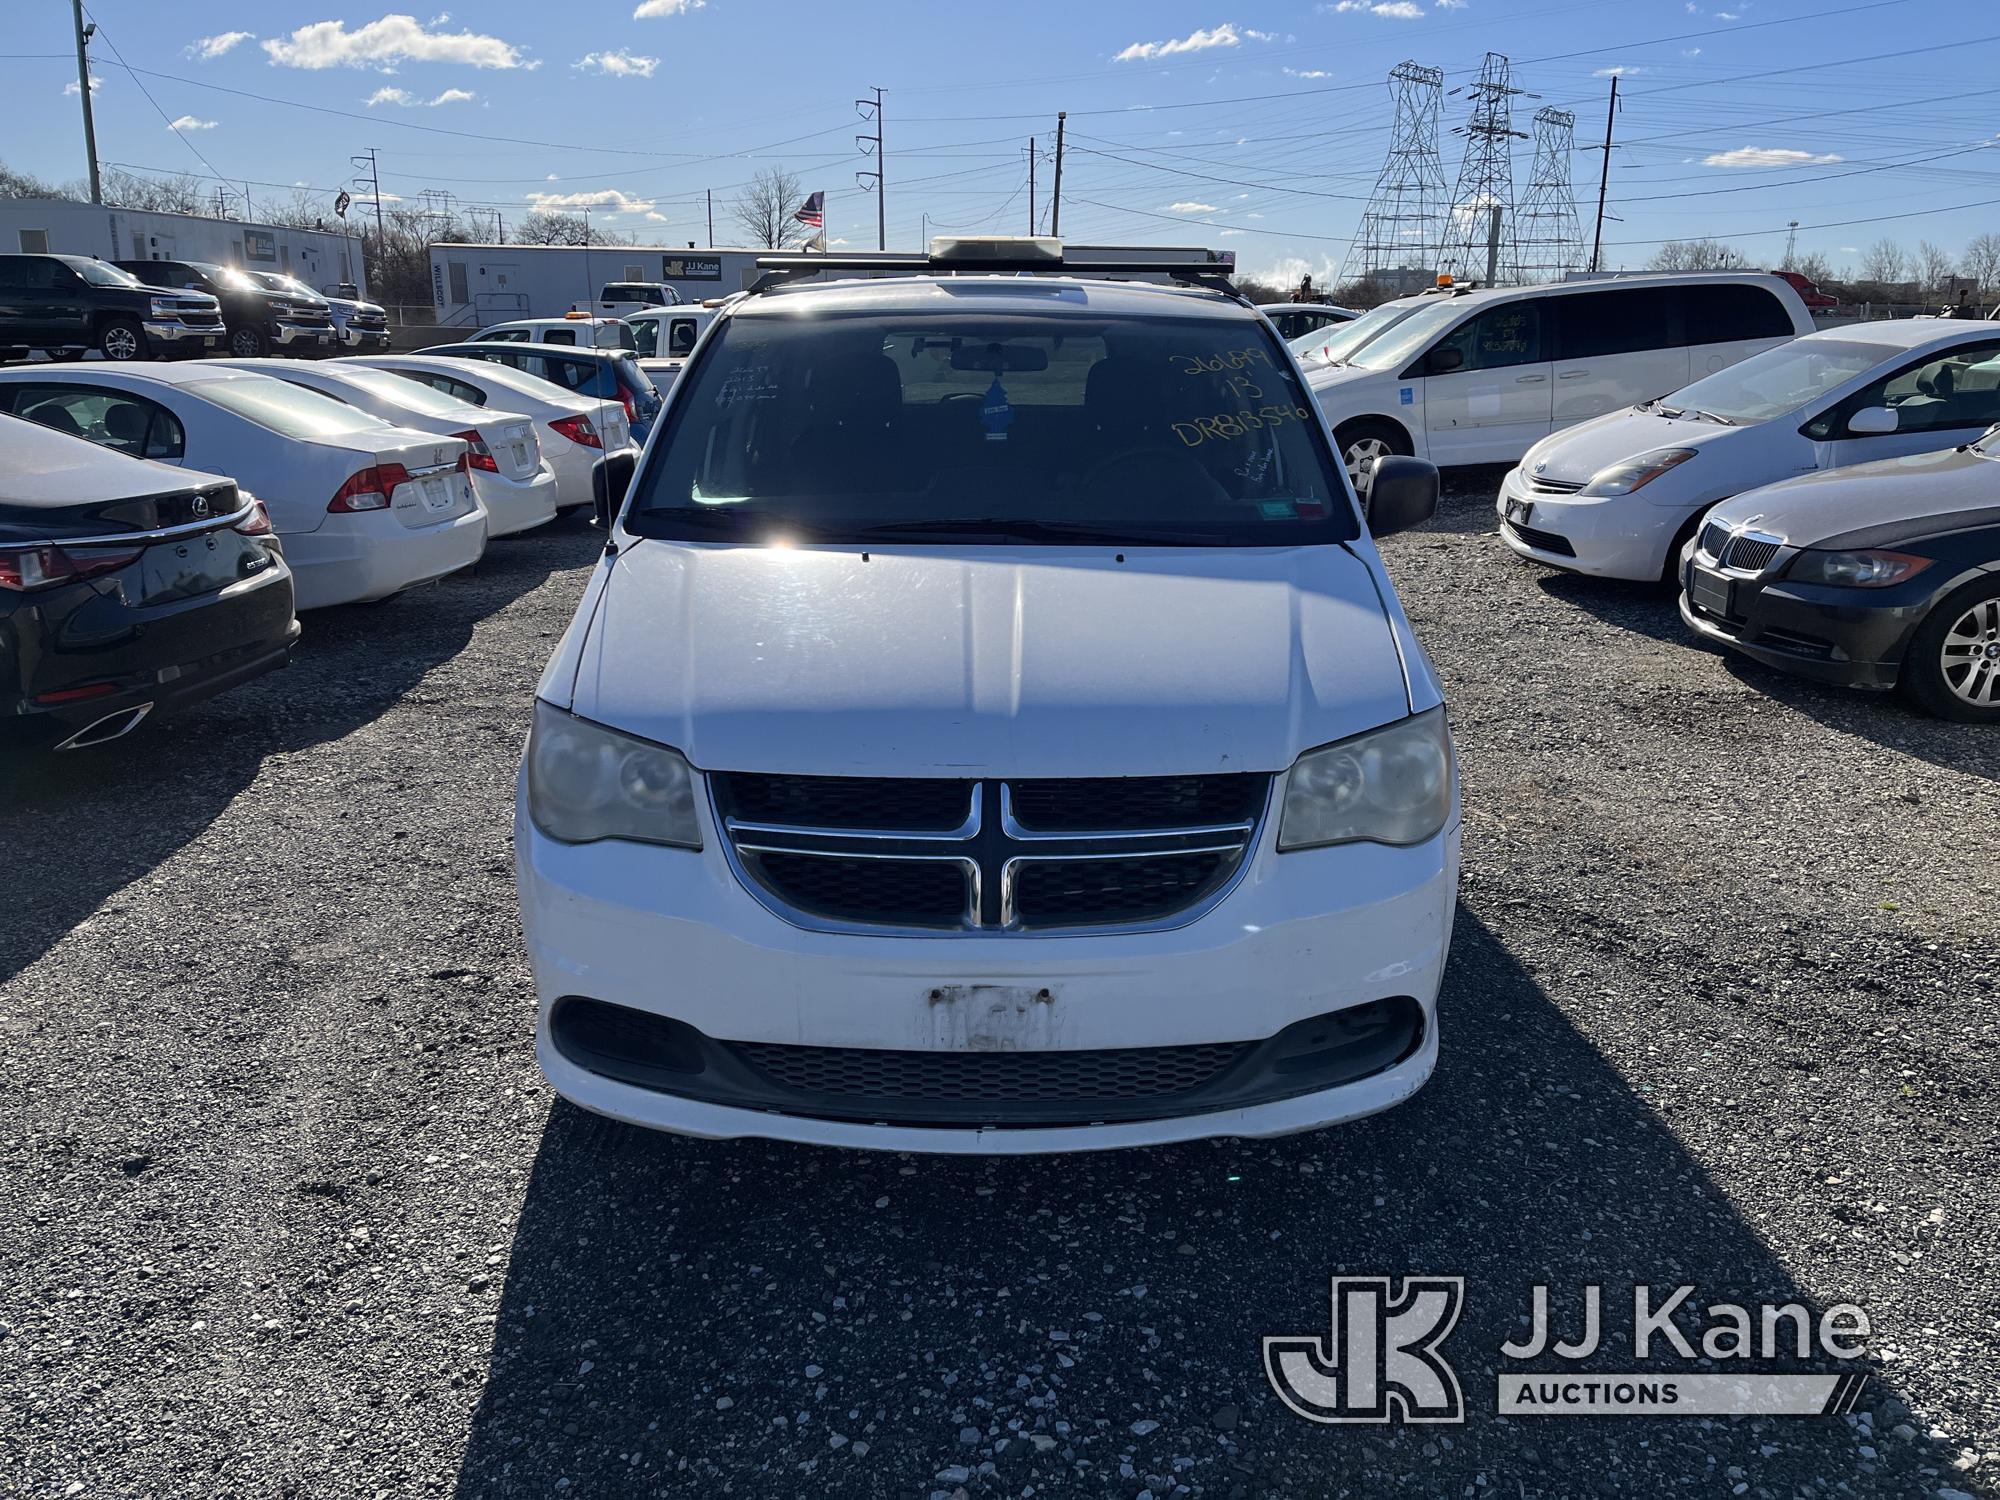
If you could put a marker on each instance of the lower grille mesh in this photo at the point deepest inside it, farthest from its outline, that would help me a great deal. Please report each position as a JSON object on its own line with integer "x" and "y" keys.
{"x": 912, "y": 892}
{"x": 991, "y": 1077}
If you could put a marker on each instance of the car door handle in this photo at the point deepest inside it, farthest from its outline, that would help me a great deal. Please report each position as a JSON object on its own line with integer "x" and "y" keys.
{"x": 1529, "y": 379}
{"x": 1574, "y": 375}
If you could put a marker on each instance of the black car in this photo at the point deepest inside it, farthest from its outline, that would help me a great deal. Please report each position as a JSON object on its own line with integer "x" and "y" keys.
{"x": 1877, "y": 576}
{"x": 261, "y": 321}
{"x": 127, "y": 588}
{"x": 70, "y": 304}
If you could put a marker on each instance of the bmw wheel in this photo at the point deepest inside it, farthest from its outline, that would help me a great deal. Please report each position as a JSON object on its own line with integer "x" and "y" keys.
{"x": 1952, "y": 667}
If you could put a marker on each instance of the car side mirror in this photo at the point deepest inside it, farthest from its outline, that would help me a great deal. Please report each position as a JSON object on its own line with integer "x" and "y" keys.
{"x": 610, "y": 478}
{"x": 1402, "y": 493}
{"x": 1872, "y": 421}
{"x": 1443, "y": 360}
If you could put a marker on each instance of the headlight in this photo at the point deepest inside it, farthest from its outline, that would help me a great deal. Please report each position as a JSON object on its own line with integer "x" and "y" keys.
{"x": 1636, "y": 473}
{"x": 586, "y": 782}
{"x": 1855, "y": 570}
{"x": 165, "y": 307}
{"x": 1389, "y": 786}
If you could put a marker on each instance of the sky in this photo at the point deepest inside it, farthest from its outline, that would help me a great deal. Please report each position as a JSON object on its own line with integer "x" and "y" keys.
{"x": 1251, "y": 125}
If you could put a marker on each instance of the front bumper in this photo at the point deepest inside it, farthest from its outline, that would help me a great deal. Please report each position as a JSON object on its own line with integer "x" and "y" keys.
{"x": 1846, "y": 637}
{"x": 364, "y": 338}
{"x": 1607, "y": 536}
{"x": 673, "y": 933}
{"x": 355, "y": 559}
{"x": 312, "y": 335}
{"x": 190, "y": 335}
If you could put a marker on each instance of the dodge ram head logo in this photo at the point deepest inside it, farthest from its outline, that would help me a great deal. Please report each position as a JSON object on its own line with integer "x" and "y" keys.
{"x": 1380, "y": 1361}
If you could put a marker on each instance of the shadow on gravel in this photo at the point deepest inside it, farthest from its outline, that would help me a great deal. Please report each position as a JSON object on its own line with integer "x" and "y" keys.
{"x": 1647, "y": 609}
{"x": 88, "y": 824}
{"x": 678, "y": 1314}
{"x": 1466, "y": 498}
{"x": 1885, "y": 719}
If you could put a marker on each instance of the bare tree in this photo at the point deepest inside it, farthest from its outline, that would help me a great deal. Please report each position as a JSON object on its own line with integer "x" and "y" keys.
{"x": 15, "y": 184}
{"x": 1885, "y": 264}
{"x": 1933, "y": 271}
{"x": 303, "y": 211}
{"x": 764, "y": 211}
{"x": 1981, "y": 264}
{"x": 1697, "y": 255}
{"x": 1815, "y": 267}
{"x": 564, "y": 229}
{"x": 168, "y": 195}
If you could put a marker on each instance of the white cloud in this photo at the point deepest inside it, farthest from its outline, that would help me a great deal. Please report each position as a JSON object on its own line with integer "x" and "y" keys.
{"x": 651, "y": 8}
{"x": 1259, "y": 36}
{"x": 612, "y": 200}
{"x": 656, "y": 217}
{"x": 1727, "y": 15}
{"x": 1307, "y": 73}
{"x": 208, "y": 48}
{"x": 1228, "y": 232}
{"x": 385, "y": 43}
{"x": 1394, "y": 10}
{"x": 404, "y": 99}
{"x": 1623, "y": 70}
{"x": 72, "y": 88}
{"x": 1690, "y": 52}
{"x": 1225, "y": 35}
{"x": 619, "y": 64}
{"x": 1767, "y": 156}
{"x": 1451, "y": 4}
{"x": 189, "y": 122}
{"x": 1189, "y": 206}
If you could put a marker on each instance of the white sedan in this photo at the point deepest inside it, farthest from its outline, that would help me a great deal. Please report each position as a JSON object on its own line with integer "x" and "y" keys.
{"x": 517, "y": 488}
{"x": 1618, "y": 496}
{"x": 362, "y": 509}
{"x": 575, "y": 431}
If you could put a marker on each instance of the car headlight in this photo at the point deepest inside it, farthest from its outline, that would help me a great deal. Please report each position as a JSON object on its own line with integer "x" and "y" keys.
{"x": 1636, "y": 473}
{"x": 586, "y": 782}
{"x": 1389, "y": 786}
{"x": 165, "y": 307}
{"x": 1855, "y": 570}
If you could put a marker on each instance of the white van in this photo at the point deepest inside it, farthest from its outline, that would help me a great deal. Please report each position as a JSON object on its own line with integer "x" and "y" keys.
{"x": 1477, "y": 377}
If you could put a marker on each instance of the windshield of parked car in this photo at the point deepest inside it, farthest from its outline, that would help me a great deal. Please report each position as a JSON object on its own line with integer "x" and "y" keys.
{"x": 1411, "y": 335}
{"x": 1777, "y": 381}
{"x": 420, "y": 398}
{"x": 285, "y": 409}
{"x": 230, "y": 277}
{"x": 631, "y": 291}
{"x": 97, "y": 273}
{"x": 1340, "y": 342}
{"x": 967, "y": 428}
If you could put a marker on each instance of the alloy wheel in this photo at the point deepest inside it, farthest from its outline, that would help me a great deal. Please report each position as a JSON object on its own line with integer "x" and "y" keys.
{"x": 245, "y": 344}
{"x": 1361, "y": 457}
{"x": 1969, "y": 656}
{"x": 120, "y": 343}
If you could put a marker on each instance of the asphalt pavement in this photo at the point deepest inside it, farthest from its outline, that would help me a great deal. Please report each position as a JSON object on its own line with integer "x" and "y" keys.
{"x": 287, "y": 1210}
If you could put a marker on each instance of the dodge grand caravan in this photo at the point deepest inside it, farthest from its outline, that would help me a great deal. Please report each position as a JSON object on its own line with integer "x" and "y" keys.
{"x": 990, "y": 729}
{"x": 1478, "y": 377}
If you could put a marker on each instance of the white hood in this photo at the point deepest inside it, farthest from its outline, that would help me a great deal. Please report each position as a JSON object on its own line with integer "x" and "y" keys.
{"x": 1031, "y": 661}
{"x": 1576, "y": 453}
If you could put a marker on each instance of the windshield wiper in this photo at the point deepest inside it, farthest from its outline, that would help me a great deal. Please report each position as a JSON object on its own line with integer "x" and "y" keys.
{"x": 1707, "y": 416}
{"x": 1027, "y": 530}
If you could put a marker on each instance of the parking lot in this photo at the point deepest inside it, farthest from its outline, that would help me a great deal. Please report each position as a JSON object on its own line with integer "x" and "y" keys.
{"x": 288, "y": 1210}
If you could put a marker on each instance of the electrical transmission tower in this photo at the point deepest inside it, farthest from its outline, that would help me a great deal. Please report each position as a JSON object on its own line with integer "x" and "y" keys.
{"x": 1547, "y": 239}
{"x": 1403, "y": 228}
{"x": 1479, "y": 230}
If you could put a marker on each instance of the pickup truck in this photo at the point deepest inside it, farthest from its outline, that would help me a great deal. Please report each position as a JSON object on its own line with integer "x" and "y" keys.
{"x": 69, "y": 304}
{"x": 621, "y": 297}
{"x": 260, "y": 321}
{"x": 356, "y": 324}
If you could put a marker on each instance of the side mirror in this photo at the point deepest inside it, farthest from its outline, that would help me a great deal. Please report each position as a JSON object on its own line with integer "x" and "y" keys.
{"x": 1402, "y": 493}
{"x": 1443, "y": 360}
{"x": 610, "y": 478}
{"x": 1871, "y": 421}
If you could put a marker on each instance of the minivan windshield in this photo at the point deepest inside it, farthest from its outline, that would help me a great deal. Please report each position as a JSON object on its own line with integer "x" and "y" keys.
{"x": 1339, "y": 343}
{"x": 1409, "y": 336}
{"x": 935, "y": 426}
{"x": 1777, "y": 381}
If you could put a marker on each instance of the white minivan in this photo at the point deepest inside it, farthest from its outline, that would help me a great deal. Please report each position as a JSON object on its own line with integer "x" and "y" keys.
{"x": 1478, "y": 377}
{"x": 991, "y": 729}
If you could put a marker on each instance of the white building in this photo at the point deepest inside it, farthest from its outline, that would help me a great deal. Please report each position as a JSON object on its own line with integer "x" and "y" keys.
{"x": 42, "y": 226}
{"x": 477, "y": 285}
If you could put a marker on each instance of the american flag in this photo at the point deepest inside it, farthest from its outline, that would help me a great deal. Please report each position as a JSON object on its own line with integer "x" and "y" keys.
{"x": 812, "y": 212}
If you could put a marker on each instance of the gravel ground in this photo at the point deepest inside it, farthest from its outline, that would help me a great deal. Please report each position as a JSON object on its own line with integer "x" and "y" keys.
{"x": 286, "y": 1209}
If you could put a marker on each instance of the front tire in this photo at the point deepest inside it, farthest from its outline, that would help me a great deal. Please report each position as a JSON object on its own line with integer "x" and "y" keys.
{"x": 1952, "y": 667}
{"x": 121, "y": 339}
{"x": 246, "y": 343}
{"x": 1365, "y": 443}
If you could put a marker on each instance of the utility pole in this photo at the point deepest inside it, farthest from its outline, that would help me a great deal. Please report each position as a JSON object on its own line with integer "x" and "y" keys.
{"x": 711, "y": 217}
{"x": 1031, "y": 185}
{"x": 83, "y": 36}
{"x": 1055, "y": 199}
{"x": 1604, "y": 179}
{"x": 872, "y": 146}
{"x": 374, "y": 181}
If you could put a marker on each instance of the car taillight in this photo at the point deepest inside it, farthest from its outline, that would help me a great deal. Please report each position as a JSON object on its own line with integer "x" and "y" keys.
{"x": 578, "y": 430}
{"x": 370, "y": 489}
{"x": 631, "y": 406}
{"x": 258, "y": 522}
{"x": 477, "y": 454}
{"x": 40, "y": 567}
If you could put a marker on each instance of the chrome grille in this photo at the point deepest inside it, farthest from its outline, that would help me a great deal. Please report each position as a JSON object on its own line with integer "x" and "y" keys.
{"x": 926, "y": 855}
{"x": 1541, "y": 484}
{"x": 1740, "y": 551}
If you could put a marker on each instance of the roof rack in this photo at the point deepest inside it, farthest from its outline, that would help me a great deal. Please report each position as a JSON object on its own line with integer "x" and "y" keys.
{"x": 990, "y": 256}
